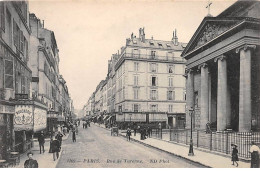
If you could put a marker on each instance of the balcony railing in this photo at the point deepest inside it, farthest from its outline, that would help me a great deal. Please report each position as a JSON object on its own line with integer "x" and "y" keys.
{"x": 153, "y": 57}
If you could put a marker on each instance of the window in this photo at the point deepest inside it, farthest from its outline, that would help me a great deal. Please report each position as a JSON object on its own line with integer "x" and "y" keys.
{"x": 135, "y": 80}
{"x": 136, "y": 53}
{"x": 170, "y": 69}
{"x": 151, "y": 43}
{"x": 136, "y": 66}
{"x": 153, "y": 67}
{"x": 134, "y": 42}
{"x": 2, "y": 16}
{"x": 170, "y": 108}
{"x": 184, "y": 95}
{"x": 153, "y": 94}
{"x": 22, "y": 42}
{"x": 160, "y": 44}
{"x": 154, "y": 81}
{"x": 153, "y": 54}
{"x": 136, "y": 107}
{"x": 120, "y": 109}
{"x": 136, "y": 93}
{"x": 8, "y": 74}
{"x": 168, "y": 45}
{"x": 154, "y": 108}
{"x": 170, "y": 82}
{"x": 170, "y": 95}
{"x": 15, "y": 34}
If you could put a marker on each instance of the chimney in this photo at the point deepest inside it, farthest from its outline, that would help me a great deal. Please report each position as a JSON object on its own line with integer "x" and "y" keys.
{"x": 42, "y": 23}
{"x": 176, "y": 38}
{"x": 152, "y": 37}
{"x": 142, "y": 34}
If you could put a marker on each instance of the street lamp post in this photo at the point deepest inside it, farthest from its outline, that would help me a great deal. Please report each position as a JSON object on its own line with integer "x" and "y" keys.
{"x": 191, "y": 153}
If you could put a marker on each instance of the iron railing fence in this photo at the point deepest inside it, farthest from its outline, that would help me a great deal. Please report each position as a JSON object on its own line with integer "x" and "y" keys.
{"x": 214, "y": 141}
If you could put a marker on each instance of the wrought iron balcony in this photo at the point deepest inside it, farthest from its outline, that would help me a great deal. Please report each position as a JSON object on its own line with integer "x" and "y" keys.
{"x": 153, "y": 57}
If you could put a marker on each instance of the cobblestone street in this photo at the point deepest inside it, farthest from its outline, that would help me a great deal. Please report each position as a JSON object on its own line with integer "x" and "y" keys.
{"x": 95, "y": 147}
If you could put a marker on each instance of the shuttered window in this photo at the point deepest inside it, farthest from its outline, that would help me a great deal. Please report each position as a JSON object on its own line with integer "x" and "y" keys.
{"x": 2, "y": 16}
{"x": 8, "y": 74}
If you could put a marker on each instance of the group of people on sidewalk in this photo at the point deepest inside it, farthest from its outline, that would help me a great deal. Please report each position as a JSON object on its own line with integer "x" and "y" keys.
{"x": 254, "y": 150}
{"x": 55, "y": 147}
{"x": 86, "y": 124}
{"x": 145, "y": 132}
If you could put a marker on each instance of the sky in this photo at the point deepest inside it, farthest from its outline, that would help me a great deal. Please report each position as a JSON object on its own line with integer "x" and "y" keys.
{"x": 88, "y": 32}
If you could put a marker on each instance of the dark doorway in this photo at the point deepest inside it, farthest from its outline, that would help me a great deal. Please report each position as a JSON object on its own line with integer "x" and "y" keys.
{"x": 170, "y": 121}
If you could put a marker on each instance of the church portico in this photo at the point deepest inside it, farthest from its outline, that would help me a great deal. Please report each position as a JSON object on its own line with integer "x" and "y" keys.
{"x": 224, "y": 57}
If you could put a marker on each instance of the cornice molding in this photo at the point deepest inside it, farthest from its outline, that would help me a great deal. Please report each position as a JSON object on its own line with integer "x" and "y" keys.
{"x": 245, "y": 48}
{"x": 221, "y": 57}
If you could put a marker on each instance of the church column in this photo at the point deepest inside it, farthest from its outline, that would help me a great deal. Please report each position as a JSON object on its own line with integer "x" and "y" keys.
{"x": 223, "y": 105}
{"x": 190, "y": 96}
{"x": 245, "y": 88}
{"x": 204, "y": 114}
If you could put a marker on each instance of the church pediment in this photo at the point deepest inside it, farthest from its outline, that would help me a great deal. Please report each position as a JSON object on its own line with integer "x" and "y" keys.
{"x": 210, "y": 29}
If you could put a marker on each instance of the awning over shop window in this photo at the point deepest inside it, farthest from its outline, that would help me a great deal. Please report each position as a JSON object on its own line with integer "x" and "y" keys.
{"x": 158, "y": 117}
{"x": 134, "y": 117}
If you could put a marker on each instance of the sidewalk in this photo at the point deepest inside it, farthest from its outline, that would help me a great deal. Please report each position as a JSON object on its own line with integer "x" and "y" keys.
{"x": 204, "y": 158}
{"x": 45, "y": 160}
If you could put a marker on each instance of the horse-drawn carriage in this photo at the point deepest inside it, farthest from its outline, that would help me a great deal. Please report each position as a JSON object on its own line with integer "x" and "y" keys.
{"x": 114, "y": 131}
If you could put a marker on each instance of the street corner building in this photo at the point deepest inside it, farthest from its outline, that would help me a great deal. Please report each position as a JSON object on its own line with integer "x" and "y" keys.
{"x": 32, "y": 91}
{"x": 223, "y": 74}
{"x": 145, "y": 85}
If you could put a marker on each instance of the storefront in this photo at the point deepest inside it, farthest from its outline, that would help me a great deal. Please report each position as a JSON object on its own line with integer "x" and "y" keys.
{"x": 30, "y": 117}
{"x": 176, "y": 121}
{"x": 6, "y": 129}
{"x": 52, "y": 122}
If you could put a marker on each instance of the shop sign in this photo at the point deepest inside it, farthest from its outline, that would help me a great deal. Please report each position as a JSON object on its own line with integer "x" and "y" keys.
{"x": 7, "y": 109}
{"x": 23, "y": 118}
{"x": 40, "y": 119}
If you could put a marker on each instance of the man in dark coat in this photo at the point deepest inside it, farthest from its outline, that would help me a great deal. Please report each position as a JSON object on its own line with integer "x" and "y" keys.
{"x": 55, "y": 148}
{"x": 254, "y": 150}
{"x": 30, "y": 163}
{"x": 41, "y": 141}
{"x": 128, "y": 134}
{"x": 74, "y": 134}
{"x": 59, "y": 137}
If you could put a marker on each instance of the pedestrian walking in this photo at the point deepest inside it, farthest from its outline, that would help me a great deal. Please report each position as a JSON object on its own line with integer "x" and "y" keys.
{"x": 64, "y": 130}
{"x": 30, "y": 163}
{"x": 59, "y": 137}
{"x": 135, "y": 131}
{"x": 128, "y": 134}
{"x": 254, "y": 150}
{"x": 83, "y": 124}
{"x": 41, "y": 141}
{"x": 234, "y": 154}
{"x": 76, "y": 128}
{"x": 148, "y": 132}
{"x": 55, "y": 148}
{"x": 74, "y": 134}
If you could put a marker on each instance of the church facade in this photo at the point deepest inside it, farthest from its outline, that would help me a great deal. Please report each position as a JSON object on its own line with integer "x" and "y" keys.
{"x": 223, "y": 70}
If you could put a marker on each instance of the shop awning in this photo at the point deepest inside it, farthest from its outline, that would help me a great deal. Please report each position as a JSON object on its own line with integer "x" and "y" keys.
{"x": 61, "y": 118}
{"x": 133, "y": 117}
{"x": 158, "y": 117}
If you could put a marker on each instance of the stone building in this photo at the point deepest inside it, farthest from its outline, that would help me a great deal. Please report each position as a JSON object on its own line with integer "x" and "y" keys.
{"x": 223, "y": 70}
{"x": 150, "y": 86}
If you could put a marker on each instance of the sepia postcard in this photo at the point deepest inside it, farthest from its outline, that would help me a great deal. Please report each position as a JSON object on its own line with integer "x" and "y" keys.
{"x": 129, "y": 84}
